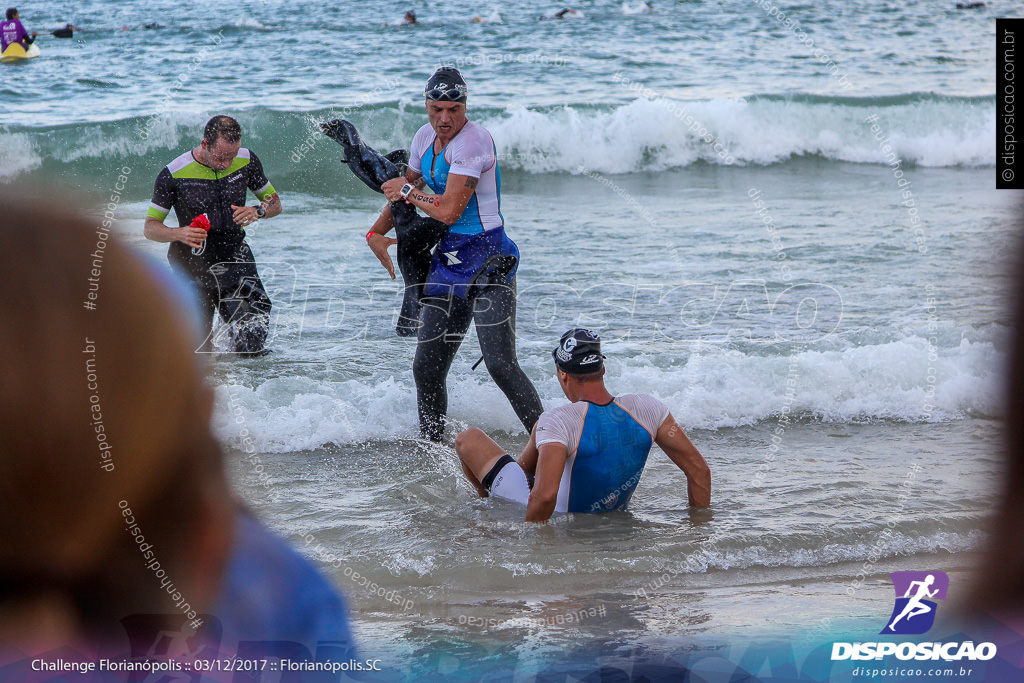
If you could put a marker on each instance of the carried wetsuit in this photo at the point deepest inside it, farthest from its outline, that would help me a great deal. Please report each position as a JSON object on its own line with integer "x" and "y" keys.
{"x": 225, "y": 272}
{"x": 472, "y": 277}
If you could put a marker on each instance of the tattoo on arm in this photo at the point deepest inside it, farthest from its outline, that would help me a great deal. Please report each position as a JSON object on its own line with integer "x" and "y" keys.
{"x": 431, "y": 199}
{"x": 471, "y": 182}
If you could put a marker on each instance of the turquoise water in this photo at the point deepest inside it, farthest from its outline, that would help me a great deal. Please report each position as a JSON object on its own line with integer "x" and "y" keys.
{"x": 699, "y": 184}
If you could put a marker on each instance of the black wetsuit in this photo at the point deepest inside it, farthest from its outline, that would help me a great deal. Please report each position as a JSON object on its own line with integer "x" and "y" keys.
{"x": 225, "y": 272}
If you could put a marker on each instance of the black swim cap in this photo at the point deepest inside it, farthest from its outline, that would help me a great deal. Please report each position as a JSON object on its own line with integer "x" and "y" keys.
{"x": 446, "y": 85}
{"x": 579, "y": 352}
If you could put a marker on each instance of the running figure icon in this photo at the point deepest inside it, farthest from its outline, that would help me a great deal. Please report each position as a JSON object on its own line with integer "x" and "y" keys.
{"x": 915, "y": 606}
{"x": 917, "y": 594}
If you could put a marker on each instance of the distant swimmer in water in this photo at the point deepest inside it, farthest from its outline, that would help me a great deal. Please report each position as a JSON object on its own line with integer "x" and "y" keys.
{"x": 453, "y": 177}
{"x": 410, "y": 17}
{"x": 67, "y": 32}
{"x": 567, "y": 13}
{"x": 970, "y": 5}
{"x": 11, "y": 31}
{"x": 586, "y": 456}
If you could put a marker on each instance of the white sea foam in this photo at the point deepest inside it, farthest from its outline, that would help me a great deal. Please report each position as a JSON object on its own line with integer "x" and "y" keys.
{"x": 17, "y": 156}
{"x": 718, "y": 388}
{"x": 653, "y": 133}
{"x": 639, "y": 7}
{"x": 765, "y": 555}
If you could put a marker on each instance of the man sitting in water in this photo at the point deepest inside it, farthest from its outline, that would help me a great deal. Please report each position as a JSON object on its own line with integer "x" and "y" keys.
{"x": 586, "y": 456}
{"x": 11, "y": 31}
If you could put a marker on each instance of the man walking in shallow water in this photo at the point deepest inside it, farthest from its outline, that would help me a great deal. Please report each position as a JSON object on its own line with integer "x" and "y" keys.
{"x": 454, "y": 177}
{"x": 212, "y": 180}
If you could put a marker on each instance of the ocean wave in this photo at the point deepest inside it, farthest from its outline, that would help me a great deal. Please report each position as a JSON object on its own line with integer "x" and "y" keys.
{"x": 17, "y": 156}
{"x": 900, "y": 381}
{"x": 656, "y": 134}
{"x": 645, "y": 135}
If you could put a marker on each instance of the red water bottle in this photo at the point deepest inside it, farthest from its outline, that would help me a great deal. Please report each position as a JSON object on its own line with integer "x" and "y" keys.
{"x": 200, "y": 221}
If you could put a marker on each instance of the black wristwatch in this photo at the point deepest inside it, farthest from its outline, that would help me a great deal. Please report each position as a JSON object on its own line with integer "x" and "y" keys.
{"x": 260, "y": 211}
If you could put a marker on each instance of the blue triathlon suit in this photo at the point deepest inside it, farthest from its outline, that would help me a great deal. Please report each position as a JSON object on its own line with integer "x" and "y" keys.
{"x": 472, "y": 272}
{"x": 476, "y": 242}
{"x": 607, "y": 448}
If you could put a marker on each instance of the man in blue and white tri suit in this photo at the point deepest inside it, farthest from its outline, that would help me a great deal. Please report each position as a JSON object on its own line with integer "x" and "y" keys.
{"x": 586, "y": 456}
{"x": 453, "y": 177}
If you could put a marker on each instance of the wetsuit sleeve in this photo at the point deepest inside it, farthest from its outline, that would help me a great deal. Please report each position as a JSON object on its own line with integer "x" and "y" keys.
{"x": 473, "y": 154}
{"x": 258, "y": 182}
{"x": 164, "y": 196}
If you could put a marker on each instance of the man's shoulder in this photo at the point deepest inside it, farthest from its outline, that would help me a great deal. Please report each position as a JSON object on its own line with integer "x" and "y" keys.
{"x": 637, "y": 398}
{"x": 635, "y": 403}
{"x": 648, "y": 410}
{"x": 475, "y": 133}
{"x": 245, "y": 161}
{"x": 422, "y": 138}
{"x": 179, "y": 163}
{"x": 567, "y": 410}
{"x": 477, "y": 128}
{"x": 557, "y": 424}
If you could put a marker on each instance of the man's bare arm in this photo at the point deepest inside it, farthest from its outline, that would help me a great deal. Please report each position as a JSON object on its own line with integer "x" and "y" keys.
{"x": 528, "y": 458}
{"x": 382, "y": 226}
{"x": 273, "y": 206}
{"x": 673, "y": 440}
{"x": 154, "y": 229}
{"x": 550, "y": 466}
{"x": 447, "y": 207}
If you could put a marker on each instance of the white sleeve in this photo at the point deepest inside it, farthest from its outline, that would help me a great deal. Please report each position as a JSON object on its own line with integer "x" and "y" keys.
{"x": 562, "y": 425}
{"x": 423, "y": 138}
{"x": 647, "y": 410}
{"x": 471, "y": 154}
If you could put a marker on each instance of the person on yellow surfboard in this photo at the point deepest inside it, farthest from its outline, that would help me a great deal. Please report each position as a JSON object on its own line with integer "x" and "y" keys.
{"x": 11, "y": 31}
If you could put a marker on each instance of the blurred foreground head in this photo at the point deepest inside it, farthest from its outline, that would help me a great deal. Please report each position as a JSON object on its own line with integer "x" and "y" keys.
{"x": 101, "y": 410}
{"x": 1000, "y": 587}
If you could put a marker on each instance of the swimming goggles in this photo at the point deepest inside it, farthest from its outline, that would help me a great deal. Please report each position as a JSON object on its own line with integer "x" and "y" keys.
{"x": 456, "y": 92}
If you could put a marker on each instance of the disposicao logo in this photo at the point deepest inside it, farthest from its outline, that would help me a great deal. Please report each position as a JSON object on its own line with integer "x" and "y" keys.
{"x": 916, "y": 593}
{"x": 914, "y": 614}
